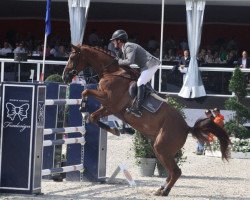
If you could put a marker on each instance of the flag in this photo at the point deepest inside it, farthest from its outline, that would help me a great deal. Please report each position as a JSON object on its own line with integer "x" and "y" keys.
{"x": 47, "y": 19}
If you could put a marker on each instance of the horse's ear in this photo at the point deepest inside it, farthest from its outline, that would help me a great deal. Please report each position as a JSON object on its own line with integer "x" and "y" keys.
{"x": 76, "y": 48}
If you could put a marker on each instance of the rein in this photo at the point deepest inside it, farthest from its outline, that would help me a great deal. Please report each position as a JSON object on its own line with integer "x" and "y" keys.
{"x": 119, "y": 75}
{"x": 123, "y": 76}
{"x": 106, "y": 66}
{"x": 74, "y": 71}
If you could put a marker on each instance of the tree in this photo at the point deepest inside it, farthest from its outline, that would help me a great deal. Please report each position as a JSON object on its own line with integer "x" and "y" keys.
{"x": 236, "y": 126}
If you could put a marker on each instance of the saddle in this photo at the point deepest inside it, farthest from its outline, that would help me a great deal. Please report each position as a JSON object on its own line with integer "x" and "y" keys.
{"x": 150, "y": 103}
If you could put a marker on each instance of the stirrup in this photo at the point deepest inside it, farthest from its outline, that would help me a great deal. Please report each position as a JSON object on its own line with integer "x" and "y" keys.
{"x": 134, "y": 111}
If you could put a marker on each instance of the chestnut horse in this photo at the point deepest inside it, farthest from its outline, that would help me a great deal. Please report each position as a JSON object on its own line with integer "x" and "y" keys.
{"x": 166, "y": 128}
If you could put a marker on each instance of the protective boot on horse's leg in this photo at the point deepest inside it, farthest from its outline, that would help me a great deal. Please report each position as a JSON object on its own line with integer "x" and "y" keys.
{"x": 137, "y": 106}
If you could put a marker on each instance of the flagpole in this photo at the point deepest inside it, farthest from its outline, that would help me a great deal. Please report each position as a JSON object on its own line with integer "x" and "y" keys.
{"x": 44, "y": 56}
{"x": 47, "y": 32}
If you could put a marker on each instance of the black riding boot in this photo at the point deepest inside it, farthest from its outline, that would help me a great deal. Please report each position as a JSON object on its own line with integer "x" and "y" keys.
{"x": 136, "y": 108}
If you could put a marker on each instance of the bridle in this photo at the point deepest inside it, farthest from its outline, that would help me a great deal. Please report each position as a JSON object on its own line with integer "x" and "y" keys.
{"x": 75, "y": 63}
{"x": 74, "y": 71}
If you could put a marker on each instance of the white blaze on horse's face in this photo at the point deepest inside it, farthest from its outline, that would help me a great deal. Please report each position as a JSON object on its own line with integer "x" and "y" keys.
{"x": 70, "y": 63}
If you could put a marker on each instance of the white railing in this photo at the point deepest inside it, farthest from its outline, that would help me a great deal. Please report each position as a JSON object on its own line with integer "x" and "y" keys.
{"x": 63, "y": 63}
{"x": 29, "y": 61}
{"x": 207, "y": 69}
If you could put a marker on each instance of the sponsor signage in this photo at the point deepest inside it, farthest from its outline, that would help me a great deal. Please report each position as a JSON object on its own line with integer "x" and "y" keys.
{"x": 17, "y": 122}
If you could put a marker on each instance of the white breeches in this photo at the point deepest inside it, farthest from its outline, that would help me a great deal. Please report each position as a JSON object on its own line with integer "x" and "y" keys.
{"x": 146, "y": 75}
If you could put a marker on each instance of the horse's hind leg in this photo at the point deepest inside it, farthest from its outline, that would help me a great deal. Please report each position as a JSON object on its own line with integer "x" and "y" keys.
{"x": 166, "y": 147}
{"x": 174, "y": 174}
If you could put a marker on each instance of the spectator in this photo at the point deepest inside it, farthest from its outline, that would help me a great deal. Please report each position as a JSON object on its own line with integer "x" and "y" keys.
{"x": 200, "y": 144}
{"x": 61, "y": 53}
{"x": 6, "y": 49}
{"x": 244, "y": 61}
{"x": 184, "y": 62}
{"x": 217, "y": 57}
{"x": 170, "y": 55}
{"x": 219, "y": 118}
{"x": 47, "y": 51}
{"x": 170, "y": 44}
{"x": 156, "y": 53}
{"x": 223, "y": 54}
{"x": 19, "y": 48}
{"x": 202, "y": 55}
{"x": 152, "y": 44}
{"x": 209, "y": 57}
{"x": 93, "y": 38}
{"x": 54, "y": 48}
{"x": 38, "y": 51}
{"x": 184, "y": 45}
{"x": 231, "y": 58}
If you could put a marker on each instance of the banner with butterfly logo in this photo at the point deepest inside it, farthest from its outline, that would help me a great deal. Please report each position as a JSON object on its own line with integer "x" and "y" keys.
{"x": 17, "y": 107}
{"x": 21, "y": 135}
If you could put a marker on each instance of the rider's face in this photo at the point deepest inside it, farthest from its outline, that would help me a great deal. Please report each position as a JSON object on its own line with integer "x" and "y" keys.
{"x": 117, "y": 44}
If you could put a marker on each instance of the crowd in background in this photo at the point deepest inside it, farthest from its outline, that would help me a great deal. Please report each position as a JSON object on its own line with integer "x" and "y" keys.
{"x": 35, "y": 49}
{"x": 221, "y": 51}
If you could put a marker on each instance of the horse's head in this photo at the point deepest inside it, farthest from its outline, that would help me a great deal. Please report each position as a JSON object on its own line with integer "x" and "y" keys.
{"x": 76, "y": 63}
{"x": 85, "y": 56}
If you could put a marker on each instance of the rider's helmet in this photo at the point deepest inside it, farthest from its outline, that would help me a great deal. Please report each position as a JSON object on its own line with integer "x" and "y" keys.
{"x": 121, "y": 35}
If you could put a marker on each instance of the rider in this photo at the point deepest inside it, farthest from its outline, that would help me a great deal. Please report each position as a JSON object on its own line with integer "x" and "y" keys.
{"x": 134, "y": 54}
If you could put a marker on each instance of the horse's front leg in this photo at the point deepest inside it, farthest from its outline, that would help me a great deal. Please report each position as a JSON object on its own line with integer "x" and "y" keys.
{"x": 99, "y": 95}
{"x": 95, "y": 118}
{"x": 101, "y": 112}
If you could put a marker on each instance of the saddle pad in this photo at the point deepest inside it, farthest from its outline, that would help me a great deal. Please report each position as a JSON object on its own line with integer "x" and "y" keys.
{"x": 151, "y": 104}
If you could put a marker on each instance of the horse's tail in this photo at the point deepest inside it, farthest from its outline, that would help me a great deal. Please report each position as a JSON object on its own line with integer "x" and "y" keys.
{"x": 203, "y": 127}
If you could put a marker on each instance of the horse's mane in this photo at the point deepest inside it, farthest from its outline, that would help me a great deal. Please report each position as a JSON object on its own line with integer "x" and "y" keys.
{"x": 100, "y": 49}
{"x": 132, "y": 72}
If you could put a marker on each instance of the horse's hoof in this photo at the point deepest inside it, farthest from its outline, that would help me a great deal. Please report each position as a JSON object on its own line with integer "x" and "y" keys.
{"x": 165, "y": 191}
{"x": 159, "y": 191}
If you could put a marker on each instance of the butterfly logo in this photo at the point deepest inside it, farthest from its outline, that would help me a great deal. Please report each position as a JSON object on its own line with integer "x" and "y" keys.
{"x": 13, "y": 111}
